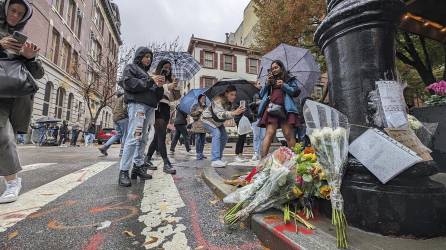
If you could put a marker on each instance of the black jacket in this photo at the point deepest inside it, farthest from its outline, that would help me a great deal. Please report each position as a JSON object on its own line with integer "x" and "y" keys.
{"x": 180, "y": 118}
{"x": 138, "y": 86}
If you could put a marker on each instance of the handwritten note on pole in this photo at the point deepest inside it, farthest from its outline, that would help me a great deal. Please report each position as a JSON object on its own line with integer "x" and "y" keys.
{"x": 392, "y": 103}
{"x": 409, "y": 139}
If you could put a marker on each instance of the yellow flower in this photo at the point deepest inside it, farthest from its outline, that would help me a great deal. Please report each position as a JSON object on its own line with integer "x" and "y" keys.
{"x": 322, "y": 175}
{"x": 310, "y": 157}
{"x": 297, "y": 192}
{"x": 325, "y": 191}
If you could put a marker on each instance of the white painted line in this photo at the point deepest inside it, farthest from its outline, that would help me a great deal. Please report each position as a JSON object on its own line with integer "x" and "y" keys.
{"x": 35, "y": 199}
{"x": 159, "y": 205}
{"x": 36, "y": 166}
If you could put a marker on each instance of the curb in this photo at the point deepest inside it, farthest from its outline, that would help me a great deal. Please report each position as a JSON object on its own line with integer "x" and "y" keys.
{"x": 216, "y": 183}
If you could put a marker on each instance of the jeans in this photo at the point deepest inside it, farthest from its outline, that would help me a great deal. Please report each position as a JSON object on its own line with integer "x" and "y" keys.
{"x": 141, "y": 117}
{"x": 74, "y": 136}
{"x": 181, "y": 130}
{"x": 42, "y": 136}
{"x": 258, "y": 136}
{"x": 200, "y": 141}
{"x": 21, "y": 138}
{"x": 121, "y": 129}
{"x": 219, "y": 140}
{"x": 89, "y": 138}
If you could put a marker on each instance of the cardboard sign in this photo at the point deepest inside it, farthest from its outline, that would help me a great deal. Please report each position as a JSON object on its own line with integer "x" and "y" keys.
{"x": 408, "y": 138}
{"x": 382, "y": 155}
{"x": 392, "y": 104}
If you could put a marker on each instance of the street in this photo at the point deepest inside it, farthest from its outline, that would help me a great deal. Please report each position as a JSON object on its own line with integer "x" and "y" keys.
{"x": 71, "y": 200}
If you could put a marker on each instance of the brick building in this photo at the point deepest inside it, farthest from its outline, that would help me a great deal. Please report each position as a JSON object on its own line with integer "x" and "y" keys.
{"x": 71, "y": 35}
{"x": 222, "y": 61}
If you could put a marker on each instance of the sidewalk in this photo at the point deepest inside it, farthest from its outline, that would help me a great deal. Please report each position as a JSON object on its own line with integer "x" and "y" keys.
{"x": 275, "y": 234}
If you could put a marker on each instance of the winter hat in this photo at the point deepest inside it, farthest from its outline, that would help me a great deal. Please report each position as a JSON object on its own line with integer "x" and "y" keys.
{"x": 29, "y": 9}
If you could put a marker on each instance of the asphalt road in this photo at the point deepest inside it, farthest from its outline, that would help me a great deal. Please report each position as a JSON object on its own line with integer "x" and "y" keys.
{"x": 70, "y": 200}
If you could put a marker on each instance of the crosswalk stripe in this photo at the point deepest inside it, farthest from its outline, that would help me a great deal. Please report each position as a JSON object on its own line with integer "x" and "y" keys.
{"x": 35, "y": 199}
{"x": 159, "y": 205}
{"x": 35, "y": 166}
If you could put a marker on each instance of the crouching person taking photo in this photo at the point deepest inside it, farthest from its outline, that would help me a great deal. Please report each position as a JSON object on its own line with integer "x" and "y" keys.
{"x": 213, "y": 119}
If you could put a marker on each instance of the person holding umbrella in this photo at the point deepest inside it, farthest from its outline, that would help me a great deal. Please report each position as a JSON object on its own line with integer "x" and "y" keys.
{"x": 213, "y": 119}
{"x": 162, "y": 116}
{"x": 278, "y": 108}
{"x": 198, "y": 126}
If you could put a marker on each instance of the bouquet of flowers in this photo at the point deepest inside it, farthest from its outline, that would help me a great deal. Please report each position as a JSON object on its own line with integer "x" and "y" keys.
{"x": 438, "y": 91}
{"x": 328, "y": 130}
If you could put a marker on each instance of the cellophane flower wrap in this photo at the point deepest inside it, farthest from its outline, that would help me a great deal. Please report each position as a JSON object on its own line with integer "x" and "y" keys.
{"x": 328, "y": 130}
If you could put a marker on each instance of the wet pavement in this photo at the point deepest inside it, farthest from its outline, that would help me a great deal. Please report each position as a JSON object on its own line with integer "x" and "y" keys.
{"x": 70, "y": 200}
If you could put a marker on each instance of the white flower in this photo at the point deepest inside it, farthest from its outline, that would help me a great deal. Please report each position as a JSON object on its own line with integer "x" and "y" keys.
{"x": 339, "y": 133}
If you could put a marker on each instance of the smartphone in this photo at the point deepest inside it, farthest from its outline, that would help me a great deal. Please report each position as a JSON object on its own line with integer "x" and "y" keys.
{"x": 20, "y": 37}
{"x": 243, "y": 103}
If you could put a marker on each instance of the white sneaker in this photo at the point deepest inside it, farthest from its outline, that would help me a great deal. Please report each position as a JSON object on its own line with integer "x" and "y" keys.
{"x": 12, "y": 191}
{"x": 255, "y": 157}
{"x": 240, "y": 159}
{"x": 218, "y": 164}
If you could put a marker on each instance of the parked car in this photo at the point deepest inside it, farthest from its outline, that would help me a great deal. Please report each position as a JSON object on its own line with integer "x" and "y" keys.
{"x": 105, "y": 134}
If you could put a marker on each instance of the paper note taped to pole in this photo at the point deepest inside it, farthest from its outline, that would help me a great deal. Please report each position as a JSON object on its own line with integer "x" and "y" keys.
{"x": 382, "y": 155}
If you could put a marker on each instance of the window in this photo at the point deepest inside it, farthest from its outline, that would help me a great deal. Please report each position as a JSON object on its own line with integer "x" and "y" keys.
{"x": 47, "y": 98}
{"x": 66, "y": 55}
{"x": 96, "y": 50}
{"x": 59, "y": 5}
{"x": 98, "y": 19}
{"x": 71, "y": 14}
{"x": 207, "y": 81}
{"x": 69, "y": 106}
{"x": 229, "y": 63}
{"x": 79, "y": 25}
{"x": 59, "y": 103}
{"x": 75, "y": 65}
{"x": 79, "y": 111}
{"x": 55, "y": 46}
{"x": 252, "y": 66}
{"x": 208, "y": 59}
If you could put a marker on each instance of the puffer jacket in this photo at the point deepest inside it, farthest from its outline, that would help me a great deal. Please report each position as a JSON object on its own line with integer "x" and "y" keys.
{"x": 139, "y": 87}
{"x": 196, "y": 112}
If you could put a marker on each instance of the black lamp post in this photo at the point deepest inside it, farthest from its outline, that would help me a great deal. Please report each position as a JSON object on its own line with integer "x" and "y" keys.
{"x": 358, "y": 41}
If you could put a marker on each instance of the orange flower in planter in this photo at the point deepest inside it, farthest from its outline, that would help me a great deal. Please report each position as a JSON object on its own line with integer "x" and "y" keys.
{"x": 309, "y": 150}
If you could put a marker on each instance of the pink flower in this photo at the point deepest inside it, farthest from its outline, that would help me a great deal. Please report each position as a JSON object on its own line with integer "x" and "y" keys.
{"x": 299, "y": 180}
{"x": 438, "y": 88}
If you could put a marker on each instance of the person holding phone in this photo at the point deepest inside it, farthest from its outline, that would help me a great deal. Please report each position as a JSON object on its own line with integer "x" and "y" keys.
{"x": 15, "y": 113}
{"x": 213, "y": 119}
{"x": 162, "y": 116}
{"x": 241, "y": 139}
{"x": 278, "y": 108}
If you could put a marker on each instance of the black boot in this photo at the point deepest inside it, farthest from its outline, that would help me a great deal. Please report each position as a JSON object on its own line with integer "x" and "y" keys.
{"x": 168, "y": 169}
{"x": 149, "y": 165}
{"x": 103, "y": 151}
{"x": 140, "y": 172}
{"x": 124, "y": 178}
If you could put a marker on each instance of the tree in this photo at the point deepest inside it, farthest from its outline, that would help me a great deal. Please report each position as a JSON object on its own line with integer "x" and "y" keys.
{"x": 289, "y": 21}
{"x": 99, "y": 78}
{"x": 426, "y": 56}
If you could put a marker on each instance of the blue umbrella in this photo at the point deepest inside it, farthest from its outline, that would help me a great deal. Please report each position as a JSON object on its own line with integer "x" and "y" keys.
{"x": 190, "y": 99}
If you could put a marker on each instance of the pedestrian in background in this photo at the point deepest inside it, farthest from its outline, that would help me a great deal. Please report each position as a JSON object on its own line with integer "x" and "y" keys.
{"x": 21, "y": 138}
{"x": 241, "y": 139}
{"x": 258, "y": 133}
{"x": 278, "y": 108}
{"x": 180, "y": 123}
{"x": 213, "y": 119}
{"x": 75, "y": 131}
{"x": 142, "y": 94}
{"x": 15, "y": 113}
{"x": 90, "y": 134}
{"x": 121, "y": 120}
{"x": 198, "y": 127}
{"x": 63, "y": 133}
{"x": 162, "y": 116}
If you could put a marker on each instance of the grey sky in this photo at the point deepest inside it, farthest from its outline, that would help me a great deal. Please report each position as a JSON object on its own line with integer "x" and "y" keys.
{"x": 145, "y": 21}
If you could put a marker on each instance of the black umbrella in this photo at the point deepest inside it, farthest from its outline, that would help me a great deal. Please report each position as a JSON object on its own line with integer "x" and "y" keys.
{"x": 245, "y": 90}
{"x": 47, "y": 120}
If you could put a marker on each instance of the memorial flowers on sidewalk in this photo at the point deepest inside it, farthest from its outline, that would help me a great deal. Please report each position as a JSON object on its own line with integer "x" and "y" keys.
{"x": 328, "y": 130}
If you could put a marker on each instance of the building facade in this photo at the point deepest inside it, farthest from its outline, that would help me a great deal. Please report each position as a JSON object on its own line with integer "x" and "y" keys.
{"x": 221, "y": 61}
{"x": 71, "y": 33}
{"x": 245, "y": 35}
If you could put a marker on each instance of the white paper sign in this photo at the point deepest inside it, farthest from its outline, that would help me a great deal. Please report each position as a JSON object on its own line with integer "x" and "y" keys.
{"x": 392, "y": 103}
{"x": 382, "y": 155}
